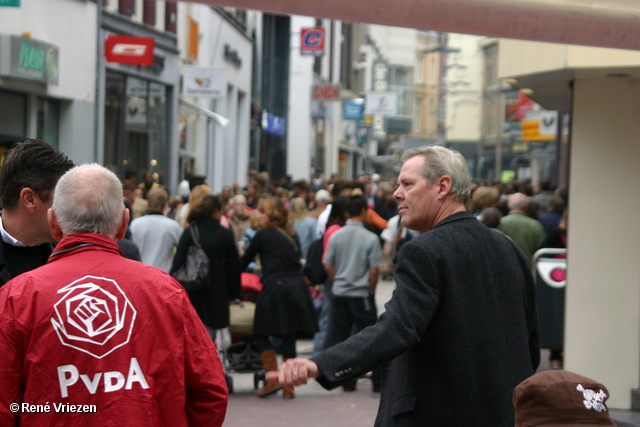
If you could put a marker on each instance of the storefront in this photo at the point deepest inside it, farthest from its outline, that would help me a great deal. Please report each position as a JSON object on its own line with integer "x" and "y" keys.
{"x": 27, "y": 66}
{"x": 140, "y": 107}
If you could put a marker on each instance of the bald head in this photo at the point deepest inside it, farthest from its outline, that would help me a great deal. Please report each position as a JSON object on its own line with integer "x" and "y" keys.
{"x": 88, "y": 199}
{"x": 518, "y": 202}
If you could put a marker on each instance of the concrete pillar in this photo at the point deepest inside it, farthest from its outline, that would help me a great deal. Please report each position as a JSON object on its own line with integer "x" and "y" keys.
{"x": 602, "y": 330}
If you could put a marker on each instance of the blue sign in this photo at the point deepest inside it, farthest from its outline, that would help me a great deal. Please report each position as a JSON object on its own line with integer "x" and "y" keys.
{"x": 273, "y": 124}
{"x": 352, "y": 110}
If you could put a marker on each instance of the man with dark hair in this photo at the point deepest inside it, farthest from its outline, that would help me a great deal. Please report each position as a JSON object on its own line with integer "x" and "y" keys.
{"x": 340, "y": 188}
{"x": 301, "y": 188}
{"x": 544, "y": 191}
{"x": 148, "y": 184}
{"x": 137, "y": 205}
{"x": 195, "y": 180}
{"x": 553, "y": 216}
{"x": 28, "y": 176}
{"x": 352, "y": 260}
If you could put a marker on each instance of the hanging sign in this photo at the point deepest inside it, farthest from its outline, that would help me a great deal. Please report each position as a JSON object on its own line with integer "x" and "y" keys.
{"x": 312, "y": 41}
{"x": 203, "y": 81}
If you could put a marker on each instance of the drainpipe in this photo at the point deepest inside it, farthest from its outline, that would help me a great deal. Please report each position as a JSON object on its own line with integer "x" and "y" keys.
{"x": 97, "y": 155}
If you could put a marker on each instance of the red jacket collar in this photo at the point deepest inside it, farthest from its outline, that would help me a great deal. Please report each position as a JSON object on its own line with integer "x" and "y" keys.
{"x": 84, "y": 242}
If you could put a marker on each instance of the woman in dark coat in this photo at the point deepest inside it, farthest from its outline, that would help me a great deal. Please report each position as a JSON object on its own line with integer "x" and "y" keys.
{"x": 284, "y": 308}
{"x": 212, "y": 303}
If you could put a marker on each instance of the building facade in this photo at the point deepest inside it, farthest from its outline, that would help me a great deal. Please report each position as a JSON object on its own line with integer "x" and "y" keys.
{"x": 137, "y": 130}
{"x": 217, "y": 52}
{"x": 47, "y": 75}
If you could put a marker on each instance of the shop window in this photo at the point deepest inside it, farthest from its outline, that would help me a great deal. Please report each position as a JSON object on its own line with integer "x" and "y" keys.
{"x": 13, "y": 117}
{"x": 135, "y": 126}
{"x": 48, "y": 113}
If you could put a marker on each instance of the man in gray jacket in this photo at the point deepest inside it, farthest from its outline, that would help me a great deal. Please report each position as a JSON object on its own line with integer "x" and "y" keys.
{"x": 461, "y": 330}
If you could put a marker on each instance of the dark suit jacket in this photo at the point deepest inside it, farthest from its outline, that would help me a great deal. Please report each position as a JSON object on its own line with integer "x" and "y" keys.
{"x": 460, "y": 332}
{"x": 5, "y": 273}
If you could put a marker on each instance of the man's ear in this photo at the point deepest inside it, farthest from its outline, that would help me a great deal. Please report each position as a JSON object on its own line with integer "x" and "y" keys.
{"x": 444, "y": 186}
{"x": 28, "y": 198}
{"x": 123, "y": 227}
{"x": 56, "y": 231}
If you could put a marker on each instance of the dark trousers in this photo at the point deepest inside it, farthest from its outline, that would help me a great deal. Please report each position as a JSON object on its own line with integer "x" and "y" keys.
{"x": 344, "y": 313}
{"x": 288, "y": 346}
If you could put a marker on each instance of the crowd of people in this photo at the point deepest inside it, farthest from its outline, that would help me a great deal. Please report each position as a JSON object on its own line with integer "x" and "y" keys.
{"x": 463, "y": 318}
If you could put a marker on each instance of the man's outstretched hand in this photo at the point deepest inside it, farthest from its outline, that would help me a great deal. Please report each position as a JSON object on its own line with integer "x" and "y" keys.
{"x": 294, "y": 372}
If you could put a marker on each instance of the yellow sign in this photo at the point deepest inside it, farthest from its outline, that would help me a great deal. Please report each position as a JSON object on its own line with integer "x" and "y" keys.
{"x": 531, "y": 131}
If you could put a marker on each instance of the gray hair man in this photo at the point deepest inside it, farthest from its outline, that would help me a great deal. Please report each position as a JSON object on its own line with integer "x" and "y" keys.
{"x": 463, "y": 318}
{"x": 112, "y": 329}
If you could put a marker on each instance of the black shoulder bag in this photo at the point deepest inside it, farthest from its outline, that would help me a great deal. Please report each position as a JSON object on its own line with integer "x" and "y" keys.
{"x": 194, "y": 273}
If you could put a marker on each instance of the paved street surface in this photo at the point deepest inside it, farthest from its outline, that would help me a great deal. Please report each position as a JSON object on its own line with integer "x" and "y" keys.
{"x": 314, "y": 406}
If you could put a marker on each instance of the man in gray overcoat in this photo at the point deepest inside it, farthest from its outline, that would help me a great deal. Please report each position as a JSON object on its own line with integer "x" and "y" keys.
{"x": 461, "y": 330}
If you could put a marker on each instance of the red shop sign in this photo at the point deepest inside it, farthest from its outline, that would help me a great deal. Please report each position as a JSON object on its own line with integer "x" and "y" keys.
{"x": 129, "y": 49}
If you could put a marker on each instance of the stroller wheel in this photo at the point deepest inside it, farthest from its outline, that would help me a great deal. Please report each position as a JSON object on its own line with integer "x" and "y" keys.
{"x": 257, "y": 377}
{"x": 229, "y": 379}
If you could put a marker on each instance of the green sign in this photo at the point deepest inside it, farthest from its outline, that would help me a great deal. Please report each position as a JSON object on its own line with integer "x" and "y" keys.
{"x": 28, "y": 58}
{"x": 14, "y": 3}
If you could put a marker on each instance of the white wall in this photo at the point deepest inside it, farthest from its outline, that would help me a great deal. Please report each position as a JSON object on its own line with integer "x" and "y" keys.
{"x": 602, "y": 331}
{"x": 397, "y": 45}
{"x": 76, "y": 43}
{"x": 299, "y": 141}
{"x": 222, "y": 153}
{"x": 464, "y": 102}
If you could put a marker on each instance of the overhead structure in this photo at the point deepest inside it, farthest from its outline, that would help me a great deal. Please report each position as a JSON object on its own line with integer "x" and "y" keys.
{"x": 603, "y": 23}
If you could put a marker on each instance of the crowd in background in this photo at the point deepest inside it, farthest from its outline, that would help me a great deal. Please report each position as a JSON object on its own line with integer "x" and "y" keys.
{"x": 533, "y": 215}
{"x": 308, "y": 203}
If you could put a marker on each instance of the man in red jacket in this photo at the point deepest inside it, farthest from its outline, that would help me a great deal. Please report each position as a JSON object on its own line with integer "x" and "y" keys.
{"x": 94, "y": 338}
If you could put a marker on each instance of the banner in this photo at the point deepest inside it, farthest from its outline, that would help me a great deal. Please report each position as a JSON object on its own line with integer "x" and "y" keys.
{"x": 203, "y": 81}
{"x": 382, "y": 103}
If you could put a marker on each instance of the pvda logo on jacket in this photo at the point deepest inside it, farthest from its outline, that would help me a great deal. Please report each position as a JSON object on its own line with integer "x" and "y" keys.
{"x": 93, "y": 316}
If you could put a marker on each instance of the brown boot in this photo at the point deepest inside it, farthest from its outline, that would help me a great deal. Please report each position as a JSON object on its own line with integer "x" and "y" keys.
{"x": 269, "y": 363}
{"x": 288, "y": 394}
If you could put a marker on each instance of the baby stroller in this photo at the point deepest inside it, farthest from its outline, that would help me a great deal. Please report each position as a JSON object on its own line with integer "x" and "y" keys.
{"x": 242, "y": 355}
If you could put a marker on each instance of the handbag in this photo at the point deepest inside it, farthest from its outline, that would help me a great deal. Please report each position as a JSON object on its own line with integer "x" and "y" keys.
{"x": 193, "y": 275}
{"x": 241, "y": 315}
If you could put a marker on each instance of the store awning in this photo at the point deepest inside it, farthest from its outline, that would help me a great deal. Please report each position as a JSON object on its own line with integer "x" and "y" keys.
{"x": 222, "y": 121}
{"x": 604, "y": 23}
